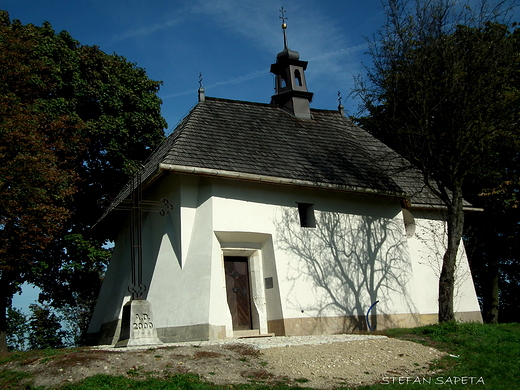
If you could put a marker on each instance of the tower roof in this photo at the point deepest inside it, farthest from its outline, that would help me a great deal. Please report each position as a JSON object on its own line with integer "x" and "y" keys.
{"x": 288, "y": 54}
{"x": 290, "y": 84}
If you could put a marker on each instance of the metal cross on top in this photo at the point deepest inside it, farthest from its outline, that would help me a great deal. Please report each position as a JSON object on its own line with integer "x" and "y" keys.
{"x": 137, "y": 205}
{"x": 283, "y": 17}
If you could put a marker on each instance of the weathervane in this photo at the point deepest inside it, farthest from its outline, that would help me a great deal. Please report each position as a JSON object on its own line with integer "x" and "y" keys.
{"x": 284, "y": 28}
{"x": 341, "y": 108}
{"x": 202, "y": 95}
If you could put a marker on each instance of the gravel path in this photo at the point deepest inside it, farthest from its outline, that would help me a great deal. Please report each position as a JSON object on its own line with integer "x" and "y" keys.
{"x": 266, "y": 342}
{"x": 355, "y": 362}
{"x": 322, "y": 362}
{"x": 326, "y": 361}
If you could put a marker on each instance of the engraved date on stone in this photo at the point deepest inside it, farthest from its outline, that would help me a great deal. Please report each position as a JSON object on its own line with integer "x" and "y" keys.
{"x": 142, "y": 321}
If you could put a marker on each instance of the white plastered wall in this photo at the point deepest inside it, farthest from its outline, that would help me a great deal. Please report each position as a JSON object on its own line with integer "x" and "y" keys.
{"x": 113, "y": 294}
{"x": 427, "y": 243}
{"x": 297, "y": 292}
{"x": 215, "y": 217}
{"x": 181, "y": 283}
{"x": 355, "y": 256}
{"x": 243, "y": 226}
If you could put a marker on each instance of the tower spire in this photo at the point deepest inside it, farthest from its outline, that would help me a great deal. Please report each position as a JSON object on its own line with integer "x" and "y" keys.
{"x": 284, "y": 28}
{"x": 291, "y": 88}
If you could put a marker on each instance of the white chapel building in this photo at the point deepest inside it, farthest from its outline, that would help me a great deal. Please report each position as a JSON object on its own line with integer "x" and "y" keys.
{"x": 278, "y": 219}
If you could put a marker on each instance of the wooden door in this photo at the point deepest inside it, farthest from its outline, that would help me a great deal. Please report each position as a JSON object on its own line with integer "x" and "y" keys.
{"x": 237, "y": 287}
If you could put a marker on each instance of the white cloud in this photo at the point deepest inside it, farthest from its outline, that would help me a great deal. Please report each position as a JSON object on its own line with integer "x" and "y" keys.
{"x": 239, "y": 79}
{"x": 354, "y": 50}
{"x": 179, "y": 94}
{"x": 145, "y": 31}
{"x": 169, "y": 20}
{"x": 231, "y": 81}
{"x": 253, "y": 19}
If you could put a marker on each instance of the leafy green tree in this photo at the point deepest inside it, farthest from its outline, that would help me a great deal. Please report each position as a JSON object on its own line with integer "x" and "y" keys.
{"x": 17, "y": 329}
{"x": 442, "y": 92}
{"x": 492, "y": 238}
{"x": 78, "y": 279}
{"x": 75, "y": 123}
{"x": 45, "y": 328}
{"x": 36, "y": 179}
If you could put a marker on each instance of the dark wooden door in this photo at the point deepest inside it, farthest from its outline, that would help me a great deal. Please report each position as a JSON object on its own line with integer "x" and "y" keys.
{"x": 237, "y": 287}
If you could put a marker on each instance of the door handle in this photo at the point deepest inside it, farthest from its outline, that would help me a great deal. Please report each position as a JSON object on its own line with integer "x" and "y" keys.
{"x": 237, "y": 290}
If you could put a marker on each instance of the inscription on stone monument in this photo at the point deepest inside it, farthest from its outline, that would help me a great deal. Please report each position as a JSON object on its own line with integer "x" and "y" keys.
{"x": 142, "y": 321}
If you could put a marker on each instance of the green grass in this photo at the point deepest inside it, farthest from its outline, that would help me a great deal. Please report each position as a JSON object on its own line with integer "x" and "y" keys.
{"x": 33, "y": 355}
{"x": 185, "y": 381}
{"x": 490, "y": 352}
{"x": 486, "y": 353}
{"x": 176, "y": 382}
{"x": 10, "y": 379}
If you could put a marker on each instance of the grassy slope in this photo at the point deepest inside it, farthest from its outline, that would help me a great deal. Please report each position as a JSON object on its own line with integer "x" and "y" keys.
{"x": 490, "y": 352}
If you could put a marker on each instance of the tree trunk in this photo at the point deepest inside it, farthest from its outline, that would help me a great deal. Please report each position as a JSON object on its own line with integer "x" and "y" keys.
{"x": 6, "y": 294}
{"x": 490, "y": 308}
{"x": 455, "y": 222}
{"x": 3, "y": 319}
{"x": 3, "y": 342}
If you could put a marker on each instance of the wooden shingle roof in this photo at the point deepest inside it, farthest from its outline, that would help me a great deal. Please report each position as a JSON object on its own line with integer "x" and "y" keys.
{"x": 262, "y": 142}
{"x": 262, "y": 139}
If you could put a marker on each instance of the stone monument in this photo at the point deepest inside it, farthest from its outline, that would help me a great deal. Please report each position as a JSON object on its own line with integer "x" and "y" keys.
{"x": 137, "y": 326}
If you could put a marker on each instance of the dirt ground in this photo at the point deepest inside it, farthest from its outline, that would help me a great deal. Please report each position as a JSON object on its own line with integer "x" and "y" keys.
{"x": 323, "y": 366}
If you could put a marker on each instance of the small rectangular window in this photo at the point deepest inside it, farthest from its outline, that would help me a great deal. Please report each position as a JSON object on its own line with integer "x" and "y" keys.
{"x": 306, "y": 211}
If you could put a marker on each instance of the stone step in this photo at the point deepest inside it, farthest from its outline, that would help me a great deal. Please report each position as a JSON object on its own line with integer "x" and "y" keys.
{"x": 243, "y": 334}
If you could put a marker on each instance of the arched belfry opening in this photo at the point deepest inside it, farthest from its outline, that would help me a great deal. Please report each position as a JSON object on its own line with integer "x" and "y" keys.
{"x": 298, "y": 78}
{"x": 291, "y": 87}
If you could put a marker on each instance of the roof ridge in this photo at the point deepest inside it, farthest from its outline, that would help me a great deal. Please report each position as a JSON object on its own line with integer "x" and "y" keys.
{"x": 240, "y": 101}
{"x": 224, "y": 100}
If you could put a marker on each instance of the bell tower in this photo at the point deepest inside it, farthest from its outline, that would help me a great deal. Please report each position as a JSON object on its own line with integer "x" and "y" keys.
{"x": 290, "y": 85}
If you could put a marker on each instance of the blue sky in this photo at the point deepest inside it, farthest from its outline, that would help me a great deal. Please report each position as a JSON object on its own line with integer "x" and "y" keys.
{"x": 231, "y": 42}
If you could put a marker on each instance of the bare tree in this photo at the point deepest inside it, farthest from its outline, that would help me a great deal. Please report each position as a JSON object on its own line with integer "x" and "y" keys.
{"x": 441, "y": 93}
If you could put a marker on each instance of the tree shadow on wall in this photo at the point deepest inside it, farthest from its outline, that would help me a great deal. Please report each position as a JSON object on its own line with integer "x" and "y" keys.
{"x": 351, "y": 261}
{"x": 433, "y": 243}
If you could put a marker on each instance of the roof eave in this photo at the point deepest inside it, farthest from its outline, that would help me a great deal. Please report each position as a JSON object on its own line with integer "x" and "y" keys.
{"x": 431, "y": 206}
{"x": 277, "y": 180}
